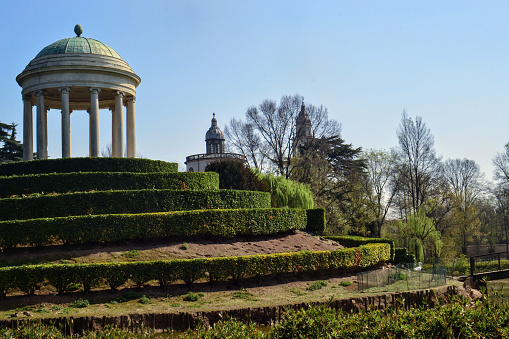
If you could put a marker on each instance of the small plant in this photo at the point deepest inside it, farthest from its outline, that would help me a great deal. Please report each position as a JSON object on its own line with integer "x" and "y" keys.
{"x": 145, "y": 300}
{"x": 56, "y": 308}
{"x": 73, "y": 287}
{"x": 184, "y": 246}
{"x": 190, "y": 296}
{"x": 131, "y": 254}
{"x": 244, "y": 294}
{"x": 345, "y": 283}
{"x": 80, "y": 303}
{"x": 317, "y": 285}
{"x": 297, "y": 292}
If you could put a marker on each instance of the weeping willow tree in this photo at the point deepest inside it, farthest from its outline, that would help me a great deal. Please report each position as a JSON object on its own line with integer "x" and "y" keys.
{"x": 419, "y": 231}
{"x": 285, "y": 192}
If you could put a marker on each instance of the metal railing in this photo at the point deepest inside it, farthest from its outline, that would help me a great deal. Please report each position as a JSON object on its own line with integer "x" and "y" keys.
{"x": 216, "y": 155}
{"x": 403, "y": 277}
{"x": 489, "y": 262}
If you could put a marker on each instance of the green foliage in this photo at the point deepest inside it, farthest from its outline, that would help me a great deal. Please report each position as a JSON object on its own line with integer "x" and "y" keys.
{"x": 133, "y": 201}
{"x": 131, "y": 254}
{"x": 355, "y": 241}
{"x": 80, "y": 303}
{"x": 234, "y": 174}
{"x": 103, "y": 181}
{"x": 72, "y": 165}
{"x": 27, "y": 278}
{"x": 401, "y": 256}
{"x": 10, "y": 148}
{"x": 345, "y": 283}
{"x": 229, "y": 328}
{"x": 461, "y": 265}
{"x": 145, "y": 300}
{"x": 317, "y": 285}
{"x": 418, "y": 229}
{"x": 316, "y": 220}
{"x": 191, "y": 296}
{"x": 114, "y": 227}
{"x": 285, "y": 192}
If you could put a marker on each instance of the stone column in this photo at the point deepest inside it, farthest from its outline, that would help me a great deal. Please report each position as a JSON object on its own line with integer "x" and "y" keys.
{"x": 41, "y": 126}
{"x": 46, "y": 131}
{"x": 28, "y": 128}
{"x": 94, "y": 122}
{"x": 131, "y": 128}
{"x": 118, "y": 127}
{"x": 66, "y": 123}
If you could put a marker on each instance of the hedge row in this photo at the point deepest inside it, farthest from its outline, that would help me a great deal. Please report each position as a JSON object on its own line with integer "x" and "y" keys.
{"x": 316, "y": 220}
{"x": 70, "y": 165}
{"x": 102, "y": 181}
{"x": 401, "y": 256}
{"x": 29, "y": 278}
{"x": 355, "y": 241}
{"x": 115, "y": 227}
{"x": 135, "y": 201}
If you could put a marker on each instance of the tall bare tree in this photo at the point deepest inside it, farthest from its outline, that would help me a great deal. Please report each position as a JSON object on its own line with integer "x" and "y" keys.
{"x": 380, "y": 184}
{"x": 269, "y": 132}
{"x": 419, "y": 168}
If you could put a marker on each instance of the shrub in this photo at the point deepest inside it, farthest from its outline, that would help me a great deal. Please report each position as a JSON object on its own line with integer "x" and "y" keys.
{"x": 115, "y": 227}
{"x": 145, "y": 300}
{"x": 80, "y": 303}
{"x": 70, "y": 165}
{"x": 285, "y": 192}
{"x": 28, "y": 278}
{"x": 234, "y": 174}
{"x": 316, "y": 220}
{"x": 190, "y": 296}
{"x": 401, "y": 256}
{"x": 317, "y": 285}
{"x": 102, "y": 181}
{"x": 134, "y": 201}
{"x": 355, "y": 241}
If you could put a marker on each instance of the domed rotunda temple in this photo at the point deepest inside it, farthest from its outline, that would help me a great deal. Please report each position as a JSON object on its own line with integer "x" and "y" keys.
{"x": 78, "y": 73}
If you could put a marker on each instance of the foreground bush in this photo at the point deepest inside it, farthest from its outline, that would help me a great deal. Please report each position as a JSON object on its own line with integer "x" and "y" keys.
{"x": 354, "y": 241}
{"x": 233, "y": 174}
{"x": 455, "y": 320}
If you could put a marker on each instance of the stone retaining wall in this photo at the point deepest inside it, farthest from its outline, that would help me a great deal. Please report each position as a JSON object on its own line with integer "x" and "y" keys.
{"x": 263, "y": 315}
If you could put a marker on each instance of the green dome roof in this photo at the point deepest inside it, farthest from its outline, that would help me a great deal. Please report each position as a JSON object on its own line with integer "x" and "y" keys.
{"x": 78, "y": 45}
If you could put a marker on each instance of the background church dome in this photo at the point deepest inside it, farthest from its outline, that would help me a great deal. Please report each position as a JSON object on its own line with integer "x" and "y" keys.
{"x": 214, "y": 131}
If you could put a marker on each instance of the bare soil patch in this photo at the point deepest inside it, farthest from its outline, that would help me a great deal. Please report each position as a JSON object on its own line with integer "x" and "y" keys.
{"x": 177, "y": 248}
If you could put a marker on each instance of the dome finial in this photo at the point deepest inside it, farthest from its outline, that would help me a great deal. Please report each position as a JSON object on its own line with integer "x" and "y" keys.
{"x": 78, "y": 29}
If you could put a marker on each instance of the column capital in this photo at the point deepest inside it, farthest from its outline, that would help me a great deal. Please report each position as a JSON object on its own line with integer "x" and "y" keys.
{"x": 120, "y": 93}
{"x": 64, "y": 90}
{"x": 40, "y": 93}
{"x": 94, "y": 90}
{"x": 132, "y": 98}
{"x": 27, "y": 97}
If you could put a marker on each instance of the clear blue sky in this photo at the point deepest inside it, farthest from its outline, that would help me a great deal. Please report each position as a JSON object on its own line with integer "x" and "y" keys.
{"x": 367, "y": 61}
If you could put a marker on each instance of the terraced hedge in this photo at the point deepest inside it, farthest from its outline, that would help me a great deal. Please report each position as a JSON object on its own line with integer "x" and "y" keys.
{"x": 29, "y": 278}
{"x": 135, "y": 201}
{"x": 101, "y": 181}
{"x": 71, "y": 165}
{"x": 355, "y": 241}
{"x": 115, "y": 227}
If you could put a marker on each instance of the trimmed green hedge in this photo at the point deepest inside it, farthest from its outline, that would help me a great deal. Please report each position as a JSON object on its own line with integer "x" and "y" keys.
{"x": 135, "y": 201}
{"x": 71, "y": 165}
{"x": 316, "y": 220}
{"x": 355, "y": 241}
{"x": 115, "y": 227}
{"x": 29, "y": 278}
{"x": 102, "y": 181}
{"x": 401, "y": 256}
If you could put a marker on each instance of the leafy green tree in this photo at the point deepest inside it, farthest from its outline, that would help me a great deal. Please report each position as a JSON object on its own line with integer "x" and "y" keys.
{"x": 11, "y": 149}
{"x": 234, "y": 174}
{"x": 419, "y": 230}
{"x": 333, "y": 170}
{"x": 286, "y": 193}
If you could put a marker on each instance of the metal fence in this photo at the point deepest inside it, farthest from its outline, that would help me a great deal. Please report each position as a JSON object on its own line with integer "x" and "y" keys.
{"x": 403, "y": 277}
